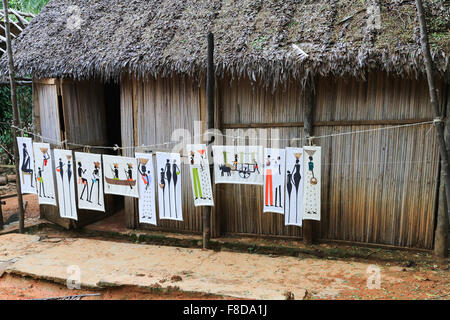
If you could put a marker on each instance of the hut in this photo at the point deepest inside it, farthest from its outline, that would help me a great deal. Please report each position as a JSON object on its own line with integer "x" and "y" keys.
{"x": 131, "y": 72}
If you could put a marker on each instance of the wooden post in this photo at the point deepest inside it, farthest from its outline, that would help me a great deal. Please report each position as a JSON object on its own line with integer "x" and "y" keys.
{"x": 210, "y": 82}
{"x": 440, "y": 248}
{"x": 308, "y": 228}
{"x": 1, "y": 214}
{"x": 12, "y": 84}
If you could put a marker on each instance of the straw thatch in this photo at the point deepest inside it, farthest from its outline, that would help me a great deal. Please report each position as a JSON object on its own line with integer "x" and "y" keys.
{"x": 253, "y": 38}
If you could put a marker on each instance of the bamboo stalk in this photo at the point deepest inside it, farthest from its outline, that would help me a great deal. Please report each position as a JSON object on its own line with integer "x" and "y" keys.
{"x": 440, "y": 245}
{"x": 15, "y": 113}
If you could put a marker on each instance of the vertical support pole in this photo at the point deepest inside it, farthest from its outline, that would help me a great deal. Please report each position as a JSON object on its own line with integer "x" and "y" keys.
{"x": 1, "y": 214}
{"x": 308, "y": 225}
{"x": 210, "y": 84}
{"x": 12, "y": 83}
{"x": 440, "y": 247}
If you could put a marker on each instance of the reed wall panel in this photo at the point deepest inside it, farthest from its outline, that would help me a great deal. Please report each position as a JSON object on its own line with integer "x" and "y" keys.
{"x": 164, "y": 108}
{"x": 377, "y": 187}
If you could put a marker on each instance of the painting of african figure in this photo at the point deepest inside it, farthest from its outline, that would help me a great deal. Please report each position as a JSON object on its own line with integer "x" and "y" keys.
{"x": 89, "y": 181}
{"x": 169, "y": 185}
{"x": 65, "y": 178}
{"x": 311, "y": 190}
{"x": 238, "y": 164}
{"x": 146, "y": 185}
{"x": 200, "y": 175}
{"x": 294, "y": 181}
{"x": 120, "y": 176}
{"x": 274, "y": 175}
{"x": 27, "y": 172}
{"x": 43, "y": 167}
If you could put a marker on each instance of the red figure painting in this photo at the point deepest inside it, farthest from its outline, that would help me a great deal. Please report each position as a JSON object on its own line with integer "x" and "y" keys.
{"x": 269, "y": 187}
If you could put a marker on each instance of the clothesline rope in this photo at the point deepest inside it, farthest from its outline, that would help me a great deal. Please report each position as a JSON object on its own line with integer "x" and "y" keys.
{"x": 234, "y": 137}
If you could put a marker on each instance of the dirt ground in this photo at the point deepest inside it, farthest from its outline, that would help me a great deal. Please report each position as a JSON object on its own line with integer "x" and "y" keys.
{"x": 22, "y": 288}
{"x": 322, "y": 278}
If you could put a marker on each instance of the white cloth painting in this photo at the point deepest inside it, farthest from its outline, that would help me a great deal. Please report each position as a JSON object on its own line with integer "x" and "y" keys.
{"x": 238, "y": 164}
{"x": 146, "y": 186}
{"x": 27, "y": 173}
{"x": 200, "y": 176}
{"x": 274, "y": 173}
{"x": 89, "y": 181}
{"x": 65, "y": 178}
{"x": 120, "y": 175}
{"x": 169, "y": 185}
{"x": 294, "y": 186}
{"x": 44, "y": 173}
{"x": 311, "y": 190}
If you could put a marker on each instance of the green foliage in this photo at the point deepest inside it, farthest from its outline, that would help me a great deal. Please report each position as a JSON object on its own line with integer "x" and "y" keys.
{"x": 33, "y": 6}
{"x": 24, "y": 101}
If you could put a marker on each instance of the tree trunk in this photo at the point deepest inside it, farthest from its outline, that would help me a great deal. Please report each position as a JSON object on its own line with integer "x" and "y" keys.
{"x": 12, "y": 83}
{"x": 440, "y": 249}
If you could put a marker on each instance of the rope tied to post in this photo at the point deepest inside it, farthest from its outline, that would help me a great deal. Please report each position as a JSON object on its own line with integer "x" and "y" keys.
{"x": 438, "y": 120}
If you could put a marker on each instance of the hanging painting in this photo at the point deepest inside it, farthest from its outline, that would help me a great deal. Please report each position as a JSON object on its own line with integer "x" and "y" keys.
{"x": 200, "y": 176}
{"x": 238, "y": 164}
{"x": 27, "y": 173}
{"x": 120, "y": 175}
{"x": 274, "y": 173}
{"x": 169, "y": 185}
{"x": 294, "y": 186}
{"x": 311, "y": 191}
{"x": 44, "y": 173}
{"x": 146, "y": 186}
{"x": 89, "y": 181}
{"x": 64, "y": 181}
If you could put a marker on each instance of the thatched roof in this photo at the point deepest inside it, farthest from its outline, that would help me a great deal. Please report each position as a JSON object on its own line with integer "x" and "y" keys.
{"x": 253, "y": 38}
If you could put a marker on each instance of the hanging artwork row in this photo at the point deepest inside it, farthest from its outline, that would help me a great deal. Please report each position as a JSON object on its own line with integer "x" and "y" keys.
{"x": 120, "y": 175}
{"x": 89, "y": 181}
{"x": 238, "y": 164}
{"x": 200, "y": 176}
{"x": 169, "y": 187}
{"x": 26, "y": 159}
{"x": 274, "y": 174}
{"x": 291, "y": 178}
{"x": 45, "y": 178}
{"x": 65, "y": 178}
{"x": 146, "y": 186}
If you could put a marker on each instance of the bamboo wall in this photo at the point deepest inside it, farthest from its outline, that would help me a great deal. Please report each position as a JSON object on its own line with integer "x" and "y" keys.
{"x": 377, "y": 187}
{"x": 155, "y": 109}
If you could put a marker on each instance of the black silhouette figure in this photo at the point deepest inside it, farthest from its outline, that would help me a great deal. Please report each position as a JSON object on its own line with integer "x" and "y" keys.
{"x": 297, "y": 178}
{"x": 69, "y": 177}
{"x": 26, "y": 163}
{"x": 95, "y": 180}
{"x": 162, "y": 185}
{"x": 129, "y": 173}
{"x": 289, "y": 189}
{"x": 41, "y": 183}
{"x": 115, "y": 171}
{"x": 143, "y": 171}
{"x": 176, "y": 171}
{"x": 83, "y": 181}
{"x": 169, "y": 178}
{"x": 60, "y": 169}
